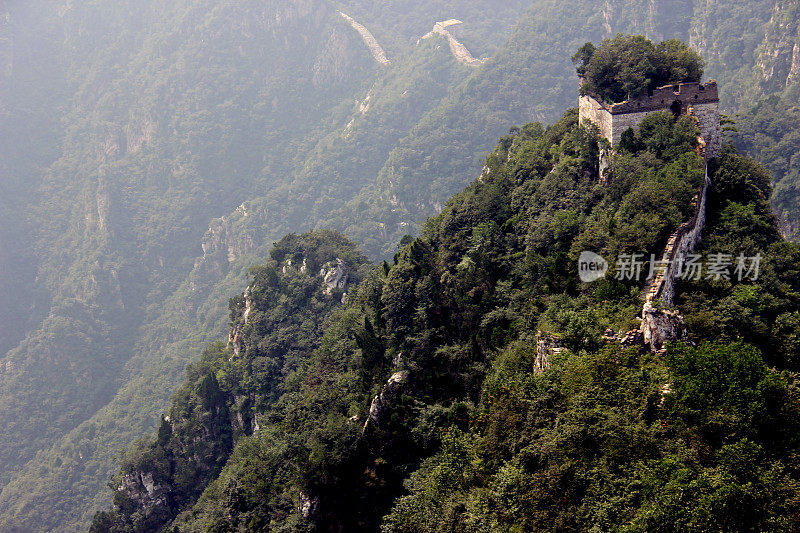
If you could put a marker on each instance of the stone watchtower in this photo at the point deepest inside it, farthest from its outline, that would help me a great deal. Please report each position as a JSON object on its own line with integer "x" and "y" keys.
{"x": 699, "y": 100}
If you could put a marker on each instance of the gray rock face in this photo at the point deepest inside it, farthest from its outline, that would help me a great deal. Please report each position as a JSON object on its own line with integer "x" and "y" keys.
{"x": 141, "y": 488}
{"x": 778, "y": 63}
{"x": 235, "y": 334}
{"x": 308, "y": 505}
{"x": 546, "y": 345}
{"x": 382, "y": 402}
{"x": 334, "y": 275}
{"x": 660, "y": 326}
{"x": 224, "y": 242}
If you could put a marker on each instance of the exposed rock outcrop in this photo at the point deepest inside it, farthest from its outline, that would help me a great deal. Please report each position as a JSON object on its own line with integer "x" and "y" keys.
{"x": 779, "y": 59}
{"x": 363, "y": 107}
{"x": 546, "y": 346}
{"x": 660, "y": 326}
{"x": 334, "y": 276}
{"x": 308, "y": 505}
{"x": 382, "y": 402}
{"x": 235, "y": 334}
{"x": 142, "y": 489}
{"x": 224, "y": 242}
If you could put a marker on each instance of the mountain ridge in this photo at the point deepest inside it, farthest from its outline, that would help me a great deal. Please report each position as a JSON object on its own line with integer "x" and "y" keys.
{"x": 439, "y": 149}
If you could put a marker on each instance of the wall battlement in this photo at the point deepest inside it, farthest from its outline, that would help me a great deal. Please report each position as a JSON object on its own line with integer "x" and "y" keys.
{"x": 700, "y": 100}
{"x": 664, "y": 97}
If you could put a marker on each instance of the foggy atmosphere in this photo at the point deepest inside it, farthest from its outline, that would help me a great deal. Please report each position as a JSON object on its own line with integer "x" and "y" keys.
{"x": 419, "y": 266}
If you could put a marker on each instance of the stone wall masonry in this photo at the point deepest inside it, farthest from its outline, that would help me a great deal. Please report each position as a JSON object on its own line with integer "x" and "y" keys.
{"x": 680, "y": 243}
{"x": 663, "y": 97}
{"x": 374, "y": 48}
{"x": 595, "y": 112}
{"x": 707, "y": 116}
{"x": 612, "y": 126}
{"x": 459, "y": 51}
{"x": 628, "y": 120}
{"x": 697, "y": 100}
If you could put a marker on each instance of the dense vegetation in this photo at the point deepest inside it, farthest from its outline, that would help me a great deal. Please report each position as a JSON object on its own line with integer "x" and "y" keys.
{"x": 770, "y": 131}
{"x": 468, "y": 435}
{"x": 133, "y": 132}
{"x": 628, "y": 66}
{"x": 154, "y": 151}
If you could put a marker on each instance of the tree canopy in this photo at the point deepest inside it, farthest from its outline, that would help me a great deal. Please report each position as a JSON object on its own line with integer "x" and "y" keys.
{"x": 627, "y": 66}
{"x": 311, "y": 426}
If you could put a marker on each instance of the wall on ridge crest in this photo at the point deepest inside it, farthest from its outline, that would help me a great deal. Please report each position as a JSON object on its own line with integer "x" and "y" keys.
{"x": 698, "y": 100}
{"x": 680, "y": 243}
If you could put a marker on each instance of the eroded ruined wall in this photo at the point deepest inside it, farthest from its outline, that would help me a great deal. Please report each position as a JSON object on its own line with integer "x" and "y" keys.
{"x": 620, "y": 123}
{"x": 698, "y": 100}
{"x": 708, "y": 117}
{"x": 611, "y": 126}
{"x": 680, "y": 244}
{"x": 592, "y": 110}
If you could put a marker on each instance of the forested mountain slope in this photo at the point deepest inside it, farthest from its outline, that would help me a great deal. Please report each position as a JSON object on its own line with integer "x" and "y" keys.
{"x": 472, "y": 384}
{"x": 171, "y": 122}
{"x": 770, "y": 131}
{"x": 145, "y": 158}
{"x": 133, "y": 133}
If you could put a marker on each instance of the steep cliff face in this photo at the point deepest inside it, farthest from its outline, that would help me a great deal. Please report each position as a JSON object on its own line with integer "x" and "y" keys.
{"x": 222, "y": 244}
{"x": 143, "y": 491}
{"x": 287, "y": 301}
{"x": 658, "y": 20}
{"x": 196, "y": 107}
{"x": 751, "y": 48}
{"x": 778, "y": 63}
{"x": 380, "y": 408}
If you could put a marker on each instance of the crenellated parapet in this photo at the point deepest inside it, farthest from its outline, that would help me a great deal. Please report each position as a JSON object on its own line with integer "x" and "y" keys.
{"x": 660, "y": 326}
{"x": 679, "y": 245}
{"x": 699, "y": 100}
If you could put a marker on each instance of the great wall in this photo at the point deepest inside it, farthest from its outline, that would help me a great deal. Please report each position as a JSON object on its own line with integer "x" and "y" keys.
{"x": 375, "y": 49}
{"x": 701, "y": 102}
{"x": 457, "y": 49}
{"x": 679, "y": 245}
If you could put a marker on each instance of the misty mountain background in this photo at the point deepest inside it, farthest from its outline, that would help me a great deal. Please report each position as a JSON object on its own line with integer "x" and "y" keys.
{"x": 152, "y": 151}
